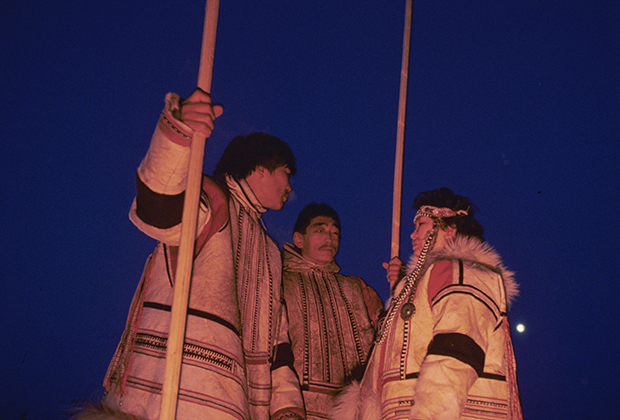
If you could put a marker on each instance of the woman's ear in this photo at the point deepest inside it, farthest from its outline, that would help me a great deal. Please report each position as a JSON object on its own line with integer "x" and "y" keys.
{"x": 450, "y": 232}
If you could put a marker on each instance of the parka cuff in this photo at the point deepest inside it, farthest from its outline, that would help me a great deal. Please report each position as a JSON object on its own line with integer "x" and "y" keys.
{"x": 291, "y": 413}
{"x": 171, "y": 124}
{"x": 286, "y": 399}
{"x": 164, "y": 168}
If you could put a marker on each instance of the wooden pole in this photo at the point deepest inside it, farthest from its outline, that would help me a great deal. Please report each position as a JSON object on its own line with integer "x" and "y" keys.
{"x": 400, "y": 134}
{"x": 178, "y": 316}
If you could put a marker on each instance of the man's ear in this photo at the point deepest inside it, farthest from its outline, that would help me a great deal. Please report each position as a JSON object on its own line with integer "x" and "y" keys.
{"x": 298, "y": 240}
{"x": 260, "y": 170}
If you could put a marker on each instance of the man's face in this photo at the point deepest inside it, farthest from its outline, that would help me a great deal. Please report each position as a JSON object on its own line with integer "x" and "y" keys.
{"x": 423, "y": 227}
{"x": 271, "y": 188}
{"x": 320, "y": 242}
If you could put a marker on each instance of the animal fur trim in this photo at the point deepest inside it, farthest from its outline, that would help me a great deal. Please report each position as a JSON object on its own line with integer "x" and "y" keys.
{"x": 352, "y": 405}
{"x": 472, "y": 250}
{"x": 348, "y": 403}
{"x": 99, "y": 411}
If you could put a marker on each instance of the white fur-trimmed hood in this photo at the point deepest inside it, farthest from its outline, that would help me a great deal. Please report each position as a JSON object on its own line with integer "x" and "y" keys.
{"x": 473, "y": 250}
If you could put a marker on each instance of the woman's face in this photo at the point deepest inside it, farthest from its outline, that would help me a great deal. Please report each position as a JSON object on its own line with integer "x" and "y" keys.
{"x": 423, "y": 227}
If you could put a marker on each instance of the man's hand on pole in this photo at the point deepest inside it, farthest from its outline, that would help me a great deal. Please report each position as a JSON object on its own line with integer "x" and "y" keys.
{"x": 198, "y": 112}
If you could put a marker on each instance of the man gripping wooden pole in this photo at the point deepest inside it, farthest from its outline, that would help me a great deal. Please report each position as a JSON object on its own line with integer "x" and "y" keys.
{"x": 178, "y": 318}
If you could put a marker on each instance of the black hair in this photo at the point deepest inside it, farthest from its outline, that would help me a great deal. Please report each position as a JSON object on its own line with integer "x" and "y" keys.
{"x": 311, "y": 211}
{"x": 245, "y": 153}
{"x": 465, "y": 225}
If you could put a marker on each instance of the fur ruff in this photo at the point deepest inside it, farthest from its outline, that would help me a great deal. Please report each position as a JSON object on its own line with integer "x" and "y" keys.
{"x": 347, "y": 403}
{"x": 99, "y": 411}
{"x": 472, "y": 250}
{"x": 350, "y": 405}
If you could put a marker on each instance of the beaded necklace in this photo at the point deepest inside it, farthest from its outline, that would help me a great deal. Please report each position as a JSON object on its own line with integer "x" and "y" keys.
{"x": 408, "y": 292}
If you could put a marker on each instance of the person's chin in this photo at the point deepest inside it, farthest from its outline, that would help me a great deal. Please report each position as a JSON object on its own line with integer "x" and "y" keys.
{"x": 277, "y": 206}
{"x": 325, "y": 261}
{"x": 329, "y": 254}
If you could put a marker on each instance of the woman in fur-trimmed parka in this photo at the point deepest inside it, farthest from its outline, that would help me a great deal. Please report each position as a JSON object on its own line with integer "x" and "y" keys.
{"x": 444, "y": 350}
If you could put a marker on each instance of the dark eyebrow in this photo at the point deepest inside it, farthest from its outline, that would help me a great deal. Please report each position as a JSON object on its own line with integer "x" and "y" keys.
{"x": 318, "y": 224}
{"x": 323, "y": 224}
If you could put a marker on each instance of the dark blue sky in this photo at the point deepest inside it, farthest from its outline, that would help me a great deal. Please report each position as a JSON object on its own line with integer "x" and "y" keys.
{"x": 514, "y": 104}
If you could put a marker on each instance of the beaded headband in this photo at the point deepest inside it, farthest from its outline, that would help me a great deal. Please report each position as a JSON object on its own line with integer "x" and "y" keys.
{"x": 438, "y": 212}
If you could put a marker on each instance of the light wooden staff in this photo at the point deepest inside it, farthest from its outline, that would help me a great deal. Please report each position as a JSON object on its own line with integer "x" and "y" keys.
{"x": 400, "y": 134}
{"x": 178, "y": 316}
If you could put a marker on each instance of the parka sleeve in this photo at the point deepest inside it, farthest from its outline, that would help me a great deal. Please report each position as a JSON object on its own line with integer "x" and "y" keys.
{"x": 374, "y": 304}
{"x": 162, "y": 177}
{"x": 286, "y": 396}
{"x": 465, "y": 313}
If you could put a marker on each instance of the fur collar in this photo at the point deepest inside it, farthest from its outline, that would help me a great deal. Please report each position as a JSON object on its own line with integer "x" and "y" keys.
{"x": 473, "y": 250}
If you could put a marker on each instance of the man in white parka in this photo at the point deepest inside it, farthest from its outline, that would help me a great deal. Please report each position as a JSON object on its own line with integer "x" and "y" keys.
{"x": 444, "y": 350}
{"x": 237, "y": 362}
